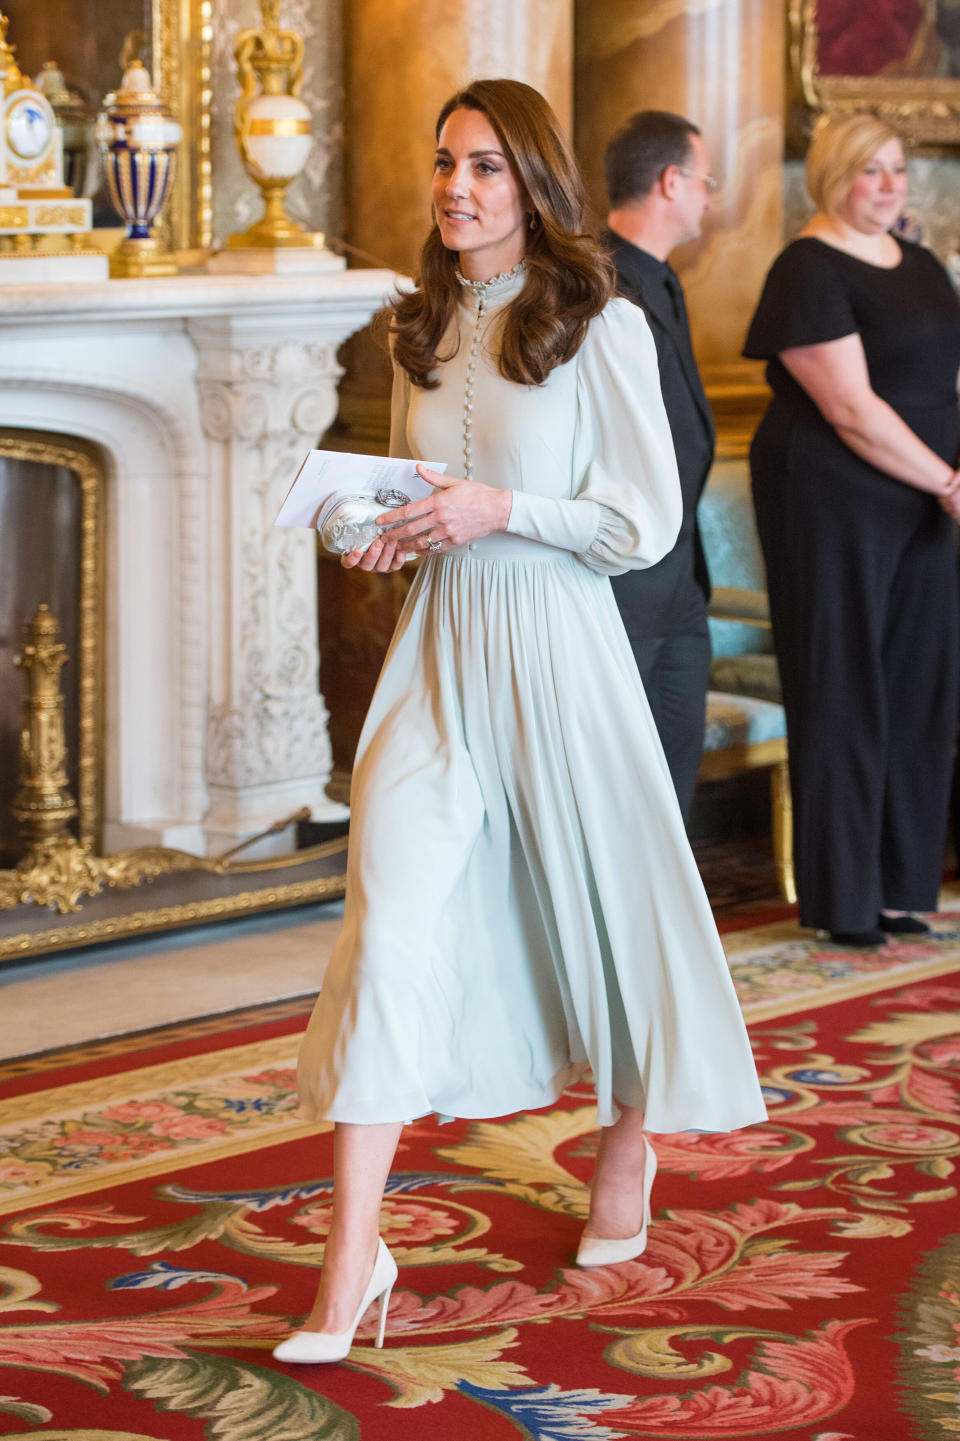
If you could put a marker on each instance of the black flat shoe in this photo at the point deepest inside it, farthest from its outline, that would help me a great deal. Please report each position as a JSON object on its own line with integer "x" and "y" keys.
{"x": 903, "y": 925}
{"x": 859, "y": 938}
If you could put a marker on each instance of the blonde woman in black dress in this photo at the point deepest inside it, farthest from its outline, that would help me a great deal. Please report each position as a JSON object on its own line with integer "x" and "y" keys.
{"x": 855, "y": 482}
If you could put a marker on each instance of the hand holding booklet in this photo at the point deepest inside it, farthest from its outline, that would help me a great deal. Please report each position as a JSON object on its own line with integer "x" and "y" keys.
{"x": 340, "y": 495}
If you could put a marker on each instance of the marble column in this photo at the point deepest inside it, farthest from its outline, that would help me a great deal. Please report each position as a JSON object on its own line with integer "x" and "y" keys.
{"x": 721, "y": 63}
{"x": 403, "y": 59}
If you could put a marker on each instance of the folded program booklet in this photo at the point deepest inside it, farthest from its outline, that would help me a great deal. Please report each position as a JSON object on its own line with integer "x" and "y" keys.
{"x": 325, "y": 471}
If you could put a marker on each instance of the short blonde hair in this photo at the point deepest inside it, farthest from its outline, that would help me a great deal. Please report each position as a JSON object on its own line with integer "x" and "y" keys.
{"x": 841, "y": 146}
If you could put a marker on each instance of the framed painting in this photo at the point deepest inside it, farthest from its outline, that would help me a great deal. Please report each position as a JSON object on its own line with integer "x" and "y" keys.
{"x": 897, "y": 58}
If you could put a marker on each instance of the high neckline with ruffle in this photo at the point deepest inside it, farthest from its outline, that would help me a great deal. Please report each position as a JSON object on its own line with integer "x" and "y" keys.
{"x": 495, "y": 291}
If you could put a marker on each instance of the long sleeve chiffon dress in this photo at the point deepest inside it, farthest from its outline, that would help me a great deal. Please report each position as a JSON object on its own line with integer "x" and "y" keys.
{"x": 522, "y": 902}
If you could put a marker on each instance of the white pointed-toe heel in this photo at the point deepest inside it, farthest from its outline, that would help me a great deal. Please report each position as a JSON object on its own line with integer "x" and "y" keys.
{"x": 598, "y": 1251}
{"x": 318, "y": 1346}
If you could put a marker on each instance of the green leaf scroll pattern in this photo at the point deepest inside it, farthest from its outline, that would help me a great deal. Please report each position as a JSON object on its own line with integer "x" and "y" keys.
{"x": 84, "y": 1435}
{"x": 896, "y": 1119}
{"x": 26, "y": 1410}
{"x": 927, "y": 1336}
{"x": 239, "y": 1401}
{"x": 95, "y": 1352}
{"x": 229, "y": 1222}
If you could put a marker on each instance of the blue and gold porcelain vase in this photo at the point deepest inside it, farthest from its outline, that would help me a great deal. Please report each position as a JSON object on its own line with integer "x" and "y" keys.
{"x": 138, "y": 138}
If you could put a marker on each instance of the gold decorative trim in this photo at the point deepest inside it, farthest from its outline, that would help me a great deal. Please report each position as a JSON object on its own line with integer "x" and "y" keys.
{"x": 58, "y": 869}
{"x": 802, "y": 50}
{"x": 278, "y": 125}
{"x": 45, "y": 169}
{"x": 738, "y": 396}
{"x": 90, "y": 659}
{"x": 61, "y": 215}
{"x": 781, "y": 798}
{"x": 925, "y": 109}
{"x": 42, "y": 803}
{"x": 182, "y": 41}
{"x": 47, "y": 192}
{"x": 279, "y": 863}
{"x": 717, "y": 765}
{"x": 167, "y": 918}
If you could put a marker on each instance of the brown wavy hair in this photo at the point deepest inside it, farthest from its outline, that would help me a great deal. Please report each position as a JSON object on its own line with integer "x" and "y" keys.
{"x": 569, "y": 278}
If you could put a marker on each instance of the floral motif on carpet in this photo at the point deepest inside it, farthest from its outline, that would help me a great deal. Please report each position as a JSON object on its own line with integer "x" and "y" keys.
{"x": 779, "y": 968}
{"x": 800, "y": 1279}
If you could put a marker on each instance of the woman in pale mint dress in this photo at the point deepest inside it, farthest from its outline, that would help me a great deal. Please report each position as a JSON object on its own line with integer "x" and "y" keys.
{"x": 522, "y": 904}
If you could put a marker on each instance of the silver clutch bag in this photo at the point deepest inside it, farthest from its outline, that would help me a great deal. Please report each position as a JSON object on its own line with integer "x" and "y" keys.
{"x": 347, "y": 519}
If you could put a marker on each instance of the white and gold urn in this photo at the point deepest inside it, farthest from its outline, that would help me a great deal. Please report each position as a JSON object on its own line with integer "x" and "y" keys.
{"x": 274, "y": 135}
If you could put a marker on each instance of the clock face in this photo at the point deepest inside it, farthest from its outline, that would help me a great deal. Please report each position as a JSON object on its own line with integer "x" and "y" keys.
{"x": 29, "y": 127}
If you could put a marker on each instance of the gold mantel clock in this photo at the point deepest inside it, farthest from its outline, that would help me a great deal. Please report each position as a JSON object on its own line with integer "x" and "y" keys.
{"x": 33, "y": 197}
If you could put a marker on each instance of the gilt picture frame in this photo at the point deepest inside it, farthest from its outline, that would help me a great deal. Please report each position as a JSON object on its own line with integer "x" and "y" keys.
{"x": 182, "y": 31}
{"x": 899, "y": 59}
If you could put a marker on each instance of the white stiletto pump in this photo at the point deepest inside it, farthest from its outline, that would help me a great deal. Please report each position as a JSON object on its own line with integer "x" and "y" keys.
{"x": 318, "y": 1346}
{"x": 597, "y": 1251}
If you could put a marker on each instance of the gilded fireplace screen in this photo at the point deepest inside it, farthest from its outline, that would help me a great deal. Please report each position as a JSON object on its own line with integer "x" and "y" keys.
{"x": 51, "y": 553}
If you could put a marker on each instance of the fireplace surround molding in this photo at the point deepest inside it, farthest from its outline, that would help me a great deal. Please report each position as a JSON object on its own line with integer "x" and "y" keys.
{"x": 202, "y": 393}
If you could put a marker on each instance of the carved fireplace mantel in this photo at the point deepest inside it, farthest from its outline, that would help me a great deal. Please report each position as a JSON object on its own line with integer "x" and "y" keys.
{"x": 203, "y": 393}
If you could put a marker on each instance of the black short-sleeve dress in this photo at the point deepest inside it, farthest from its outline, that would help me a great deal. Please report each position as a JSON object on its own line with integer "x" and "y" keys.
{"x": 862, "y": 575}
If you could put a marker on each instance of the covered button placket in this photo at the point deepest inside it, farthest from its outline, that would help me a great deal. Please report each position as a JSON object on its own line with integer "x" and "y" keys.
{"x": 481, "y": 289}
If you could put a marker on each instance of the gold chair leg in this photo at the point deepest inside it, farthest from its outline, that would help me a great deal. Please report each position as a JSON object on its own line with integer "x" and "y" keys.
{"x": 782, "y": 814}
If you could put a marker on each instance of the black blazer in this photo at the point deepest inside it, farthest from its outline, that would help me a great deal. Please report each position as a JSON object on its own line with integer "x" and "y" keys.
{"x": 661, "y": 599}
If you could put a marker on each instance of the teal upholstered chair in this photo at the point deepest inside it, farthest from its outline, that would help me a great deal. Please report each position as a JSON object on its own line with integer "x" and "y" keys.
{"x": 746, "y": 727}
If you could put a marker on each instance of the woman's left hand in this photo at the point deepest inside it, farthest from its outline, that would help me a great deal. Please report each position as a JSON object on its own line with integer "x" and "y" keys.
{"x": 458, "y": 511}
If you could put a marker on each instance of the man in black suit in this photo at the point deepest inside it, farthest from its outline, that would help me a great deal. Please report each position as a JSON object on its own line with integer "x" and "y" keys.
{"x": 659, "y": 186}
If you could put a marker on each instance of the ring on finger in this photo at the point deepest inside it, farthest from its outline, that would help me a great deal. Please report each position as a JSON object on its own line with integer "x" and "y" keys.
{"x": 434, "y": 544}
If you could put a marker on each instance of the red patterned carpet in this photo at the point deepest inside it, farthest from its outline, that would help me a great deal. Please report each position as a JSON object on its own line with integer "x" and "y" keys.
{"x": 162, "y": 1213}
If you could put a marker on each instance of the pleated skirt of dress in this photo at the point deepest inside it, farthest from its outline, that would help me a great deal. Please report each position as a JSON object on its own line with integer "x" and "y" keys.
{"x": 522, "y": 902}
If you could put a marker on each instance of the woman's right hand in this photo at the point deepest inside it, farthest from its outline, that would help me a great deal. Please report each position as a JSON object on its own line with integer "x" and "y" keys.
{"x": 382, "y": 555}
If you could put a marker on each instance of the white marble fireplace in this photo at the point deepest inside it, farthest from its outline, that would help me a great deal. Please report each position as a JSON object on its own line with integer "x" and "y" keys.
{"x": 203, "y": 393}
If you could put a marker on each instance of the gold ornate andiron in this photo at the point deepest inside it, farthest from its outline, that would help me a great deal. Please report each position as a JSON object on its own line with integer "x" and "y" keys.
{"x": 272, "y": 127}
{"x": 43, "y": 805}
{"x": 57, "y": 868}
